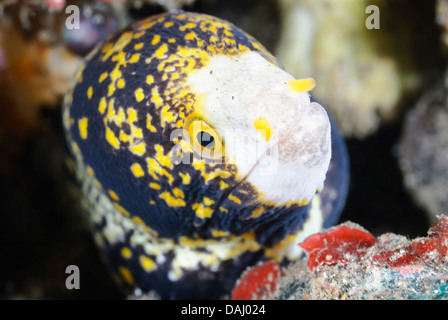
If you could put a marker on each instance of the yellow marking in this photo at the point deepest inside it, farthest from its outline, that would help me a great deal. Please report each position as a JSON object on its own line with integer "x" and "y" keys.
{"x": 189, "y": 25}
{"x": 90, "y": 171}
{"x": 185, "y": 177}
{"x": 135, "y": 57}
{"x": 138, "y": 46}
{"x": 137, "y": 170}
{"x": 126, "y": 274}
{"x": 208, "y": 201}
{"x": 138, "y": 220}
{"x": 223, "y": 209}
{"x": 156, "y": 39}
{"x": 152, "y": 202}
{"x": 223, "y": 185}
{"x": 235, "y": 245}
{"x": 147, "y": 24}
{"x": 118, "y": 46}
{"x": 219, "y": 233}
{"x": 201, "y": 211}
{"x": 178, "y": 193}
{"x": 111, "y": 89}
{"x": 102, "y": 106}
{"x": 149, "y": 125}
{"x": 120, "y": 83}
{"x": 155, "y": 186}
{"x": 263, "y": 127}
{"x": 115, "y": 74}
{"x": 121, "y": 209}
{"x": 103, "y": 77}
{"x": 156, "y": 97}
{"x": 166, "y": 116}
{"x": 228, "y": 33}
{"x": 98, "y": 184}
{"x": 168, "y": 24}
{"x": 111, "y": 115}
{"x": 242, "y": 47}
{"x": 113, "y": 195}
{"x": 234, "y": 199}
{"x": 82, "y": 124}
{"x": 273, "y": 253}
{"x": 301, "y": 85}
{"x": 126, "y": 253}
{"x": 257, "y": 212}
{"x": 217, "y": 173}
{"x": 138, "y": 149}
{"x": 190, "y": 36}
{"x": 164, "y": 160}
{"x": 179, "y": 124}
{"x": 155, "y": 170}
{"x": 139, "y": 34}
{"x": 160, "y": 52}
{"x": 171, "y": 40}
{"x": 181, "y": 16}
{"x": 132, "y": 116}
{"x": 147, "y": 263}
{"x": 149, "y": 79}
{"x": 112, "y": 139}
{"x": 90, "y": 92}
{"x": 139, "y": 96}
{"x": 172, "y": 201}
{"x": 300, "y": 202}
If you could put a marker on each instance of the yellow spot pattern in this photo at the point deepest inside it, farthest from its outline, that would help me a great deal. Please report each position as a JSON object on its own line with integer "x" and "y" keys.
{"x": 82, "y": 124}
{"x": 137, "y": 170}
{"x": 89, "y": 93}
{"x": 126, "y": 274}
{"x": 113, "y": 195}
{"x": 171, "y": 200}
{"x": 185, "y": 177}
{"x": 264, "y": 128}
{"x": 139, "y": 95}
{"x": 126, "y": 253}
{"x": 202, "y": 211}
{"x": 147, "y": 263}
{"x": 121, "y": 209}
{"x": 234, "y": 199}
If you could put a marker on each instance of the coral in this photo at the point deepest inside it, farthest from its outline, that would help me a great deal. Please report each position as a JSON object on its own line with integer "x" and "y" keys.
{"x": 425, "y": 141}
{"x": 347, "y": 262}
{"x": 257, "y": 282}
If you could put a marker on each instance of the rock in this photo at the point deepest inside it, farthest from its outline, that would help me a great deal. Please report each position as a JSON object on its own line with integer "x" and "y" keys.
{"x": 424, "y": 151}
{"x": 361, "y": 74}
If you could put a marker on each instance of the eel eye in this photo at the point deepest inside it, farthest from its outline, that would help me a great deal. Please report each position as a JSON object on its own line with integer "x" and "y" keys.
{"x": 204, "y": 140}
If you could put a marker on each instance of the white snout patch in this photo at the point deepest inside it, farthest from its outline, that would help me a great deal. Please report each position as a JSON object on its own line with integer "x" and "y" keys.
{"x": 246, "y": 95}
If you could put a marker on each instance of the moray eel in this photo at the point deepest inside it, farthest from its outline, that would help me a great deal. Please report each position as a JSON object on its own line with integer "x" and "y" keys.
{"x": 198, "y": 155}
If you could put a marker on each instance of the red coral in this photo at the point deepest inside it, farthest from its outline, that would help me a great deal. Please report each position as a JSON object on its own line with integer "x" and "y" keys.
{"x": 258, "y": 282}
{"x": 330, "y": 247}
{"x": 434, "y": 247}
